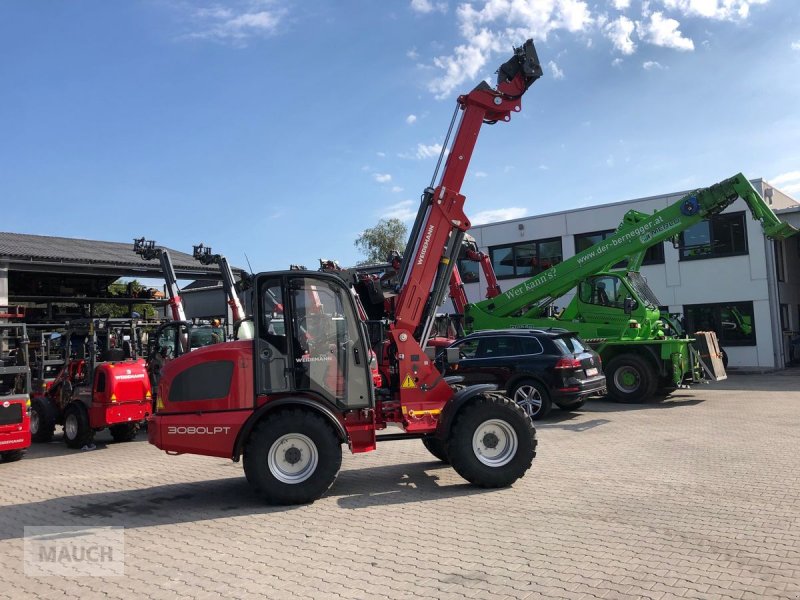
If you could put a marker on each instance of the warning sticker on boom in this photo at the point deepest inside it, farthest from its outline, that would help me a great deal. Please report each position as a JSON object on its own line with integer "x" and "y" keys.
{"x": 408, "y": 383}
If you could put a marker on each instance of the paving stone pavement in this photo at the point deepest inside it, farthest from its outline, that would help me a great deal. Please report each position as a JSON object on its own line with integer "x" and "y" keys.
{"x": 693, "y": 496}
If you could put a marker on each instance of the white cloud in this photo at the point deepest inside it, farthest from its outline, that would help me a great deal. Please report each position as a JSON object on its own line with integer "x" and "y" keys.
{"x": 663, "y": 31}
{"x": 619, "y": 32}
{"x": 722, "y": 10}
{"x": 497, "y": 25}
{"x": 397, "y": 189}
{"x": 787, "y": 182}
{"x": 621, "y": 4}
{"x": 412, "y": 54}
{"x": 381, "y": 154}
{"x": 557, "y": 73}
{"x": 423, "y": 151}
{"x": 616, "y": 62}
{"x": 499, "y": 214}
{"x": 382, "y": 177}
{"x": 796, "y": 45}
{"x": 411, "y": 119}
{"x": 402, "y": 210}
{"x": 544, "y": 167}
{"x": 651, "y": 65}
{"x": 481, "y": 174}
{"x": 426, "y": 6}
{"x": 234, "y": 24}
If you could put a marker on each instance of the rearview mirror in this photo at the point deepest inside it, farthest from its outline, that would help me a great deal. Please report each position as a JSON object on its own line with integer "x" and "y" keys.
{"x": 629, "y": 305}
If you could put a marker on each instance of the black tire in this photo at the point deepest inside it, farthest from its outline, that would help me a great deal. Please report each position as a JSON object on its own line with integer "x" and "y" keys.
{"x": 533, "y": 397}
{"x": 311, "y": 441}
{"x": 124, "y": 432}
{"x": 77, "y": 432}
{"x": 43, "y": 420}
{"x": 724, "y": 358}
{"x": 11, "y": 455}
{"x": 630, "y": 379}
{"x": 436, "y": 447}
{"x": 487, "y": 422}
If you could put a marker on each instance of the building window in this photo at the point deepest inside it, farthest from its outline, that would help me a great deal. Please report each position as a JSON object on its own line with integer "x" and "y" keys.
{"x": 722, "y": 235}
{"x": 732, "y": 321}
{"x": 785, "y": 317}
{"x": 583, "y": 241}
{"x": 526, "y": 258}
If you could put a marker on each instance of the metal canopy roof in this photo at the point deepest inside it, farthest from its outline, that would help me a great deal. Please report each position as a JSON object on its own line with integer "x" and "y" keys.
{"x": 28, "y": 252}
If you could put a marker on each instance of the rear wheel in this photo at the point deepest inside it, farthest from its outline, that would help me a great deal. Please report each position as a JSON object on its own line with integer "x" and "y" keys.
{"x": 492, "y": 443}
{"x": 11, "y": 455}
{"x": 43, "y": 420}
{"x": 124, "y": 432}
{"x": 436, "y": 447}
{"x": 533, "y": 398}
{"x": 630, "y": 378}
{"x": 292, "y": 457}
{"x": 77, "y": 432}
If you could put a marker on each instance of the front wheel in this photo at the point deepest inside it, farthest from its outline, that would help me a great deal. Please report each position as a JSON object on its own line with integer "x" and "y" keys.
{"x": 292, "y": 457}
{"x": 630, "y": 378}
{"x": 492, "y": 443}
{"x": 77, "y": 432}
{"x": 11, "y": 455}
{"x": 124, "y": 432}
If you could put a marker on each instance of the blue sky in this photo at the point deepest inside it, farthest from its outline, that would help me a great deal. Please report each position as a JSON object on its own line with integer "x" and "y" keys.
{"x": 282, "y": 129}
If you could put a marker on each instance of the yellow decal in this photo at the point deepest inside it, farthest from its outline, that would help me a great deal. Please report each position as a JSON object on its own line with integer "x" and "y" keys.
{"x": 408, "y": 383}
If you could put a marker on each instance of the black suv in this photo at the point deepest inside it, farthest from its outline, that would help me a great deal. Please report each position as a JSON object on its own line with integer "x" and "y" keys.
{"x": 536, "y": 367}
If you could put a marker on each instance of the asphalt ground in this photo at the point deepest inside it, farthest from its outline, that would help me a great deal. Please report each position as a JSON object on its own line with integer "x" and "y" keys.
{"x": 694, "y": 495}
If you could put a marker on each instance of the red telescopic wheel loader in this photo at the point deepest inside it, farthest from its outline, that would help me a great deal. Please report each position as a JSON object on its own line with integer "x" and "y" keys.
{"x": 272, "y": 400}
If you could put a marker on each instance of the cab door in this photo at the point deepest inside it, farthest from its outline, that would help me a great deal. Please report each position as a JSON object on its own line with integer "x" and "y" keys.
{"x": 309, "y": 338}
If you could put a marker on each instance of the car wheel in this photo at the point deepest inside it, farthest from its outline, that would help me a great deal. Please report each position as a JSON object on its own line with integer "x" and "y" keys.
{"x": 630, "y": 378}
{"x": 724, "y": 358}
{"x": 492, "y": 442}
{"x": 292, "y": 457}
{"x": 436, "y": 447}
{"x": 43, "y": 420}
{"x": 532, "y": 397}
{"x": 77, "y": 432}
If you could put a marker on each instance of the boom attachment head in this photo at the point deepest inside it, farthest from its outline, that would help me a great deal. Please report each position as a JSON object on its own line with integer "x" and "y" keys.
{"x": 146, "y": 248}
{"x": 203, "y": 254}
{"x": 526, "y": 60}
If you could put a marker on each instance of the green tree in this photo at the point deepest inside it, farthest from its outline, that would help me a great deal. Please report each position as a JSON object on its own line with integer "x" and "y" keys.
{"x": 376, "y": 243}
{"x": 113, "y": 309}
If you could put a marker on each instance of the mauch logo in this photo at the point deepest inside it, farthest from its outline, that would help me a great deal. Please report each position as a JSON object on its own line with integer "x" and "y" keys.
{"x": 75, "y": 551}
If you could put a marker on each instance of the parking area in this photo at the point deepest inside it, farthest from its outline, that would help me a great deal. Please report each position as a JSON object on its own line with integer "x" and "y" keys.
{"x": 696, "y": 495}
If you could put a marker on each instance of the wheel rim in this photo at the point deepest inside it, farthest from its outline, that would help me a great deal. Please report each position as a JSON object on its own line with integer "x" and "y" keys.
{"x": 293, "y": 458}
{"x": 529, "y": 399}
{"x": 627, "y": 379}
{"x": 71, "y": 426}
{"x": 495, "y": 443}
{"x": 34, "y": 422}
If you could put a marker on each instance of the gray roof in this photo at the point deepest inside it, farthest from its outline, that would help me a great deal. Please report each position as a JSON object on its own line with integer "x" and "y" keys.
{"x": 23, "y": 248}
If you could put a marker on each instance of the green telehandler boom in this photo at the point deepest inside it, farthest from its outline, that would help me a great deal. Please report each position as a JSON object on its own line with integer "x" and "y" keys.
{"x": 613, "y": 308}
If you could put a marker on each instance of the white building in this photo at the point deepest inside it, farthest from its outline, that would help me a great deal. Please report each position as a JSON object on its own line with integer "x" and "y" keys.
{"x": 735, "y": 281}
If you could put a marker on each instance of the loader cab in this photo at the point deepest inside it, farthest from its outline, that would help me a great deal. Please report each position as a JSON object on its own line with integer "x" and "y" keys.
{"x": 309, "y": 338}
